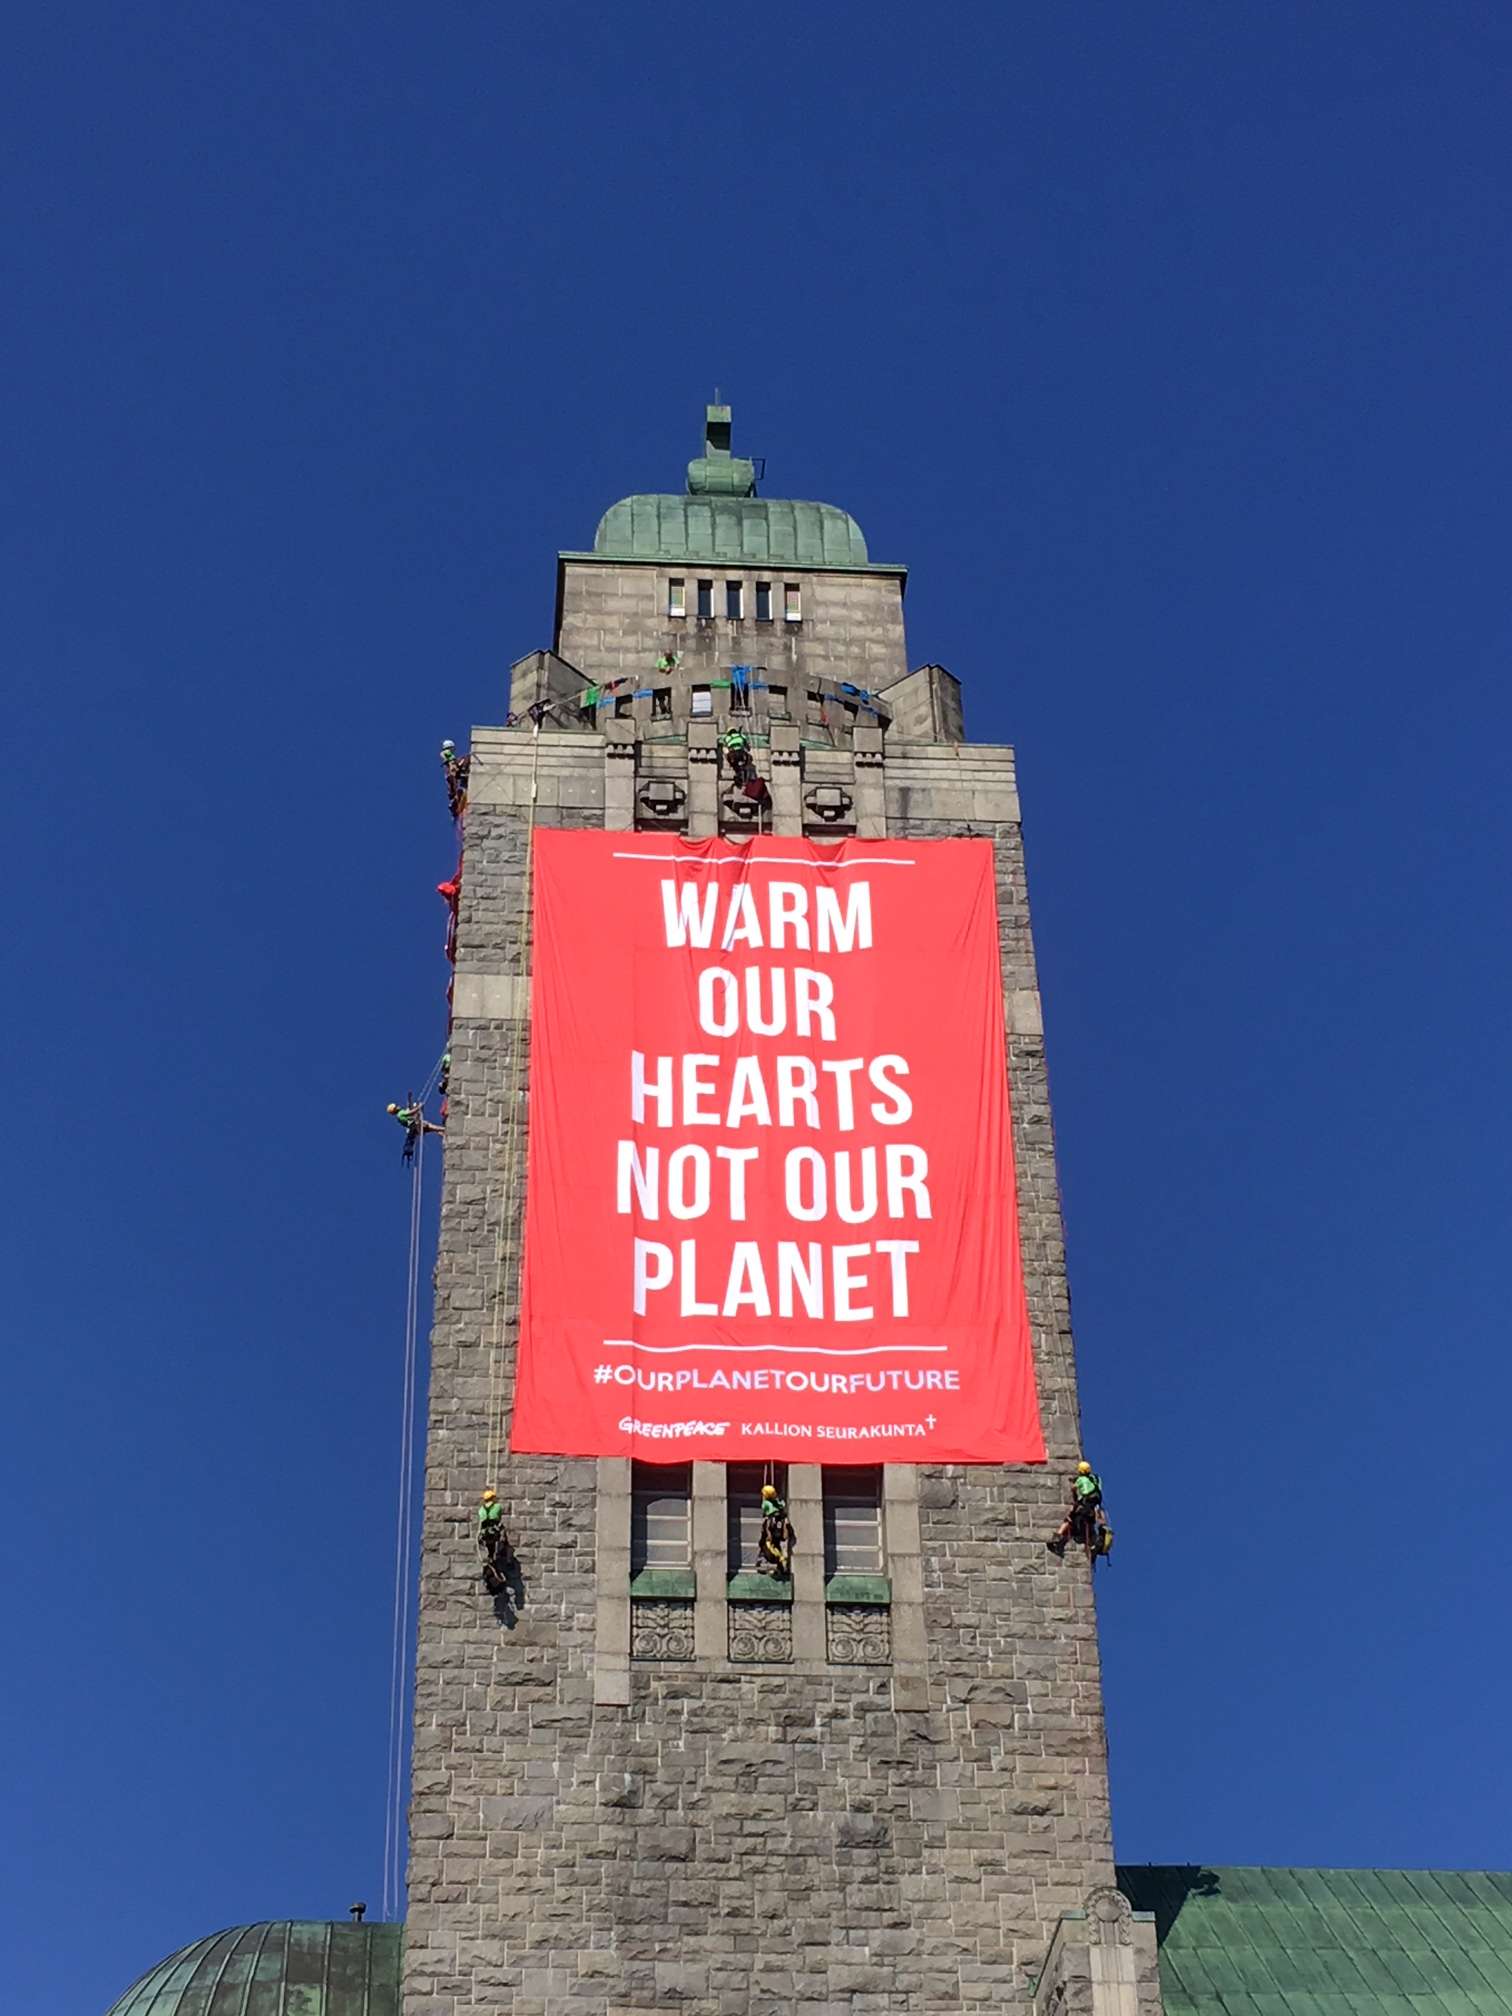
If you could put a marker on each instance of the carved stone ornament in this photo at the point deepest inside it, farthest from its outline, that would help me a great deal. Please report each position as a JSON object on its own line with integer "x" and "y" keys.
{"x": 661, "y": 1628}
{"x": 661, "y": 798}
{"x": 860, "y": 1634}
{"x": 742, "y": 810}
{"x": 761, "y": 1633}
{"x": 1113, "y": 1915}
{"x": 830, "y": 803}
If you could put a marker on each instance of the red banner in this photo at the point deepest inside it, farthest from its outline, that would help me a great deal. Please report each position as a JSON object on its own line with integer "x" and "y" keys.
{"x": 771, "y": 1203}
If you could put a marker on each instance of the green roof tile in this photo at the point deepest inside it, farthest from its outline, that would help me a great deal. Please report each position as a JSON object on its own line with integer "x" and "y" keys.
{"x": 1329, "y": 1942}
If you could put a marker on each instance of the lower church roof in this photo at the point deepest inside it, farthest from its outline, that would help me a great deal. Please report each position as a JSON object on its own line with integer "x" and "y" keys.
{"x": 1329, "y": 1942}
{"x": 1233, "y": 1942}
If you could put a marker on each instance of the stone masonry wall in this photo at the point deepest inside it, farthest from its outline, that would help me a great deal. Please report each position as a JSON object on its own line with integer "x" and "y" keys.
{"x": 734, "y": 1842}
{"x": 614, "y": 621}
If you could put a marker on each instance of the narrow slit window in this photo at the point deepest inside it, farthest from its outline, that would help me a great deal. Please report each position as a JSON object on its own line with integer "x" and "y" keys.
{"x": 853, "y": 1521}
{"x": 661, "y": 1516}
{"x": 743, "y": 1482}
{"x": 677, "y": 598}
{"x": 706, "y": 598}
{"x": 734, "y": 600}
{"x": 792, "y": 603}
{"x": 763, "y": 601}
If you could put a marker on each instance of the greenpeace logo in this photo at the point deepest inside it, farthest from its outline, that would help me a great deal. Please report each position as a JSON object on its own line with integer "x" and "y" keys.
{"x": 669, "y": 1431}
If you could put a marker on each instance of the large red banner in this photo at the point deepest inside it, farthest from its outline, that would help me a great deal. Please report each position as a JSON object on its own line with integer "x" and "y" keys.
{"x": 771, "y": 1203}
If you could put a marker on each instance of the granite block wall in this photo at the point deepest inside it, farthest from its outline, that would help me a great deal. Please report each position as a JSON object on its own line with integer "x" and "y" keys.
{"x": 732, "y": 1840}
{"x": 614, "y": 621}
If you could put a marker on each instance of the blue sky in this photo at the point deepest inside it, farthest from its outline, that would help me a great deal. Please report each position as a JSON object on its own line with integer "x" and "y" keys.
{"x": 1167, "y": 345}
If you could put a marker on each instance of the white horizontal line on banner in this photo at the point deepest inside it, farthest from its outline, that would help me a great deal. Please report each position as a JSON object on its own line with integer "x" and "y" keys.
{"x": 767, "y": 861}
{"x": 793, "y": 1350}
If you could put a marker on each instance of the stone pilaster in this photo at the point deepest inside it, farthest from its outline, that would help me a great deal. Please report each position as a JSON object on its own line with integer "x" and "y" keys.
{"x": 1102, "y": 1961}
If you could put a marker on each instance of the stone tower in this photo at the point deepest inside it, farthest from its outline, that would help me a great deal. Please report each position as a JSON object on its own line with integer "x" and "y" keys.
{"x": 641, "y": 1781}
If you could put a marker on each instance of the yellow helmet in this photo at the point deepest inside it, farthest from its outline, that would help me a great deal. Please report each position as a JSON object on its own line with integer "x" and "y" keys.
{"x": 1084, "y": 1469}
{"x": 769, "y": 1490}
{"x": 489, "y": 1493}
{"x": 392, "y": 1107}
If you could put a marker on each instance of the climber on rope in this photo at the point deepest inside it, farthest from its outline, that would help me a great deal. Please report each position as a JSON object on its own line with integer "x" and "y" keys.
{"x": 774, "y": 1550}
{"x": 493, "y": 1541}
{"x": 412, "y": 1119}
{"x": 456, "y": 768}
{"x": 443, "y": 1082}
{"x": 1084, "y": 1522}
{"x": 734, "y": 742}
{"x": 451, "y": 895}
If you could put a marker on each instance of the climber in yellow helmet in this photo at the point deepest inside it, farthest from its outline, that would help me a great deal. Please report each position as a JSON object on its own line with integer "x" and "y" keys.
{"x": 1085, "y": 1513}
{"x": 774, "y": 1550}
{"x": 493, "y": 1541}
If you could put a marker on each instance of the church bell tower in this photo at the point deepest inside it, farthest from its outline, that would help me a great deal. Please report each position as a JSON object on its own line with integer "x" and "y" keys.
{"x": 646, "y": 1777}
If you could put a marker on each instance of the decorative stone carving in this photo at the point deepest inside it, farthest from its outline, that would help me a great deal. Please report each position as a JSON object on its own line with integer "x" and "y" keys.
{"x": 1113, "y": 1915}
{"x": 661, "y": 1628}
{"x": 662, "y": 798}
{"x": 740, "y": 810}
{"x": 761, "y": 1633}
{"x": 860, "y": 1634}
{"x": 831, "y": 804}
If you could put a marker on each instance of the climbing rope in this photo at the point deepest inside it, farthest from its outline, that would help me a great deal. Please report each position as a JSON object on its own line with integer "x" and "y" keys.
{"x": 393, "y": 1830}
{"x": 515, "y": 1093}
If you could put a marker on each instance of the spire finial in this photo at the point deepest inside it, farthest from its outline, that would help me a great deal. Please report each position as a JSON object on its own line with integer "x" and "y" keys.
{"x": 718, "y": 473}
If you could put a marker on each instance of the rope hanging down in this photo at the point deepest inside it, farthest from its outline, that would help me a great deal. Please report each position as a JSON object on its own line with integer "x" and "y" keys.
{"x": 393, "y": 1830}
{"x": 516, "y": 1093}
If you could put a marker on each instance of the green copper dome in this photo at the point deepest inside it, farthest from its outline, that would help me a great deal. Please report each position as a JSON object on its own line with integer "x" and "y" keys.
{"x": 283, "y": 1968}
{"x": 721, "y": 519}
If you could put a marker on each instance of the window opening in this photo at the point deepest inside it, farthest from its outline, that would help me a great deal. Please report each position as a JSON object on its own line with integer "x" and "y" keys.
{"x": 792, "y": 603}
{"x": 622, "y": 707}
{"x": 703, "y": 702}
{"x": 661, "y": 703}
{"x": 661, "y": 1516}
{"x": 706, "y": 598}
{"x": 676, "y": 605}
{"x": 853, "y": 1521}
{"x": 763, "y": 601}
{"x": 734, "y": 600}
{"x": 777, "y": 700}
